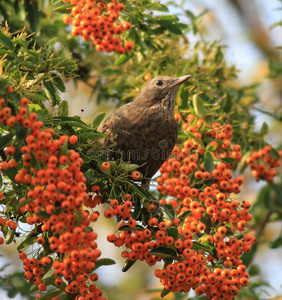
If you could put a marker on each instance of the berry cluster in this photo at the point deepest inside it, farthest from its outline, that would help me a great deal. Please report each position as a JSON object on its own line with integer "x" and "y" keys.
{"x": 96, "y": 21}
{"x": 201, "y": 240}
{"x": 54, "y": 202}
{"x": 262, "y": 164}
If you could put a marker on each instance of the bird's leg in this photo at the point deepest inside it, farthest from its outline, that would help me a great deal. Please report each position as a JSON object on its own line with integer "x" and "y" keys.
{"x": 145, "y": 184}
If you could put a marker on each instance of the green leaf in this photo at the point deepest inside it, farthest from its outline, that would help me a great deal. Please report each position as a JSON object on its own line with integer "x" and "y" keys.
{"x": 20, "y": 133}
{"x": 6, "y": 41}
{"x": 127, "y": 228}
{"x": 109, "y": 72}
{"x": 9, "y": 53}
{"x": 169, "y": 210}
{"x": 10, "y": 236}
{"x": 63, "y": 108}
{"x": 173, "y": 28}
{"x": 30, "y": 240}
{"x": 189, "y": 14}
{"x": 276, "y": 24}
{"x": 32, "y": 10}
{"x": 184, "y": 95}
{"x": 104, "y": 262}
{"x": 274, "y": 153}
{"x": 71, "y": 121}
{"x": 264, "y": 196}
{"x": 52, "y": 294}
{"x": 166, "y": 19}
{"x": 123, "y": 59}
{"x": 172, "y": 231}
{"x": 23, "y": 203}
{"x": 50, "y": 92}
{"x": 5, "y": 139}
{"x": 198, "y": 105}
{"x": 59, "y": 83}
{"x": 254, "y": 270}
{"x": 183, "y": 216}
{"x": 208, "y": 162}
{"x": 264, "y": 129}
{"x": 127, "y": 265}
{"x": 164, "y": 252}
{"x": 164, "y": 292}
{"x": 137, "y": 207}
{"x": 126, "y": 167}
{"x": 89, "y": 174}
{"x": 228, "y": 160}
{"x": 11, "y": 173}
{"x": 97, "y": 120}
{"x": 276, "y": 243}
{"x": 227, "y": 103}
{"x": 203, "y": 246}
{"x": 157, "y": 6}
{"x": 63, "y": 9}
{"x": 43, "y": 214}
{"x": 3, "y": 10}
{"x": 247, "y": 257}
{"x": 276, "y": 193}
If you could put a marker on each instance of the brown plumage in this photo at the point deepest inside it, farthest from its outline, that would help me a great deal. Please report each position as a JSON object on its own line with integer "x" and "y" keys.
{"x": 144, "y": 131}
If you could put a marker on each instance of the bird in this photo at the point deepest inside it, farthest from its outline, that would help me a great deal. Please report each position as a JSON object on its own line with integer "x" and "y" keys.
{"x": 144, "y": 131}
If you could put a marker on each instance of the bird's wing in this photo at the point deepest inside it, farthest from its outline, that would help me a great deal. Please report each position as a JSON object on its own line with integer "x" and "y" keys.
{"x": 115, "y": 118}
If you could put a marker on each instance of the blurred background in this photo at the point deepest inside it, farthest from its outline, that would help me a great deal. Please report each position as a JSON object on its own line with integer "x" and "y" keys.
{"x": 244, "y": 28}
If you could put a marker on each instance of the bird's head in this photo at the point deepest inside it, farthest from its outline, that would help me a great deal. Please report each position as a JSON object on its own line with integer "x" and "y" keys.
{"x": 161, "y": 90}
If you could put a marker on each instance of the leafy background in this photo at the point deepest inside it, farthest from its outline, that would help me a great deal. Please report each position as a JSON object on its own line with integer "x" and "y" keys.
{"x": 105, "y": 81}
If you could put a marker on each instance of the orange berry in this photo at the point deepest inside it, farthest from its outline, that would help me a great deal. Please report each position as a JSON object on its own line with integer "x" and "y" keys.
{"x": 73, "y": 139}
{"x": 129, "y": 46}
{"x": 9, "y": 89}
{"x": 147, "y": 77}
{"x": 10, "y": 150}
{"x": 67, "y": 19}
{"x": 105, "y": 165}
{"x": 136, "y": 175}
{"x": 24, "y": 102}
{"x": 2, "y": 102}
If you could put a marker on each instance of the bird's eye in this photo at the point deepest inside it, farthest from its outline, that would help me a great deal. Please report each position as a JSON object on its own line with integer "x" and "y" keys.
{"x": 159, "y": 83}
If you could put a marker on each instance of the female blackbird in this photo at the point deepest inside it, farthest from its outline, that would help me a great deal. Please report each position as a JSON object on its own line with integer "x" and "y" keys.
{"x": 144, "y": 131}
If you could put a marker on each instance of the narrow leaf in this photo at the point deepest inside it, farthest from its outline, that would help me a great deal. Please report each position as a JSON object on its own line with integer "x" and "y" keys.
{"x": 63, "y": 108}
{"x": 4, "y": 140}
{"x": 50, "y": 92}
{"x": 164, "y": 292}
{"x": 228, "y": 160}
{"x": 98, "y": 120}
{"x": 104, "y": 262}
{"x": 168, "y": 209}
{"x": 208, "y": 162}
{"x": 6, "y": 41}
{"x": 164, "y": 252}
{"x": 127, "y": 265}
{"x": 122, "y": 59}
{"x": 172, "y": 231}
{"x": 51, "y": 294}
{"x": 30, "y": 240}
{"x": 33, "y": 14}
{"x": 198, "y": 105}
{"x": 264, "y": 129}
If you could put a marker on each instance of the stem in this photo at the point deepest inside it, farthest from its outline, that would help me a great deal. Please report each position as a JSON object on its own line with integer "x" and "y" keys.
{"x": 262, "y": 224}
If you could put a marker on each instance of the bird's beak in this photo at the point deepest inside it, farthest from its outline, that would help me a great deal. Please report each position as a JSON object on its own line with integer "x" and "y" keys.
{"x": 178, "y": 81}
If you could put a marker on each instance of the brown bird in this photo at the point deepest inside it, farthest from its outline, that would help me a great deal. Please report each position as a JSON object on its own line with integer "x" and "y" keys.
{"x": 144, "y": 131}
